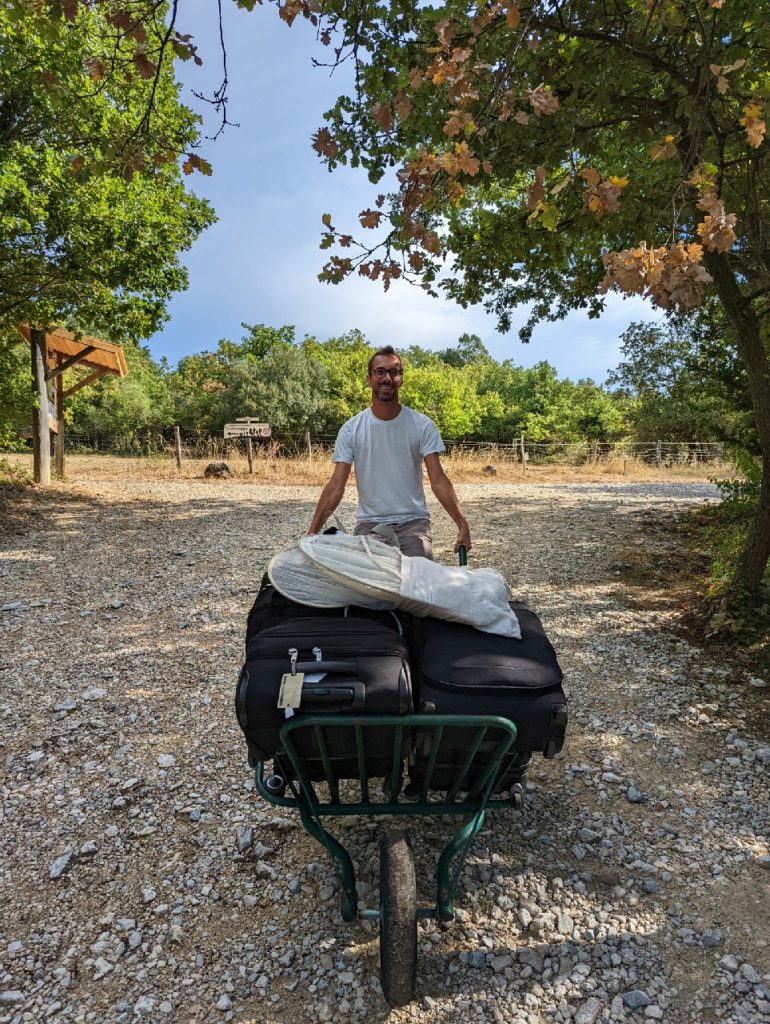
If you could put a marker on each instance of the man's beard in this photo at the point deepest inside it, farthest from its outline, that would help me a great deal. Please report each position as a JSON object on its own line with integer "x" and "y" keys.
{"x": 383, "y": 395}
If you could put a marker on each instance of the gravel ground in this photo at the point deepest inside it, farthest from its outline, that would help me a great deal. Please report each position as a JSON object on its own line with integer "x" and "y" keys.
{"x": 141, "y": 879}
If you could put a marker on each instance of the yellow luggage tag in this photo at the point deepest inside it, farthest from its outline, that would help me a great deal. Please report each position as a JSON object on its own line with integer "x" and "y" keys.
{"x": 290, "y": 692}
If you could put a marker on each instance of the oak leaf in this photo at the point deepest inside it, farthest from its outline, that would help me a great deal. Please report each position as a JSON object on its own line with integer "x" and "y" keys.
{"x": 370, "y": 218}
{"x": 543, "y": 100}
{"x": 445, "y": 30}
{"x": 536, "y": 191}
{"x": 382, "y": 114}
{"x": 143, "y": 64}
{"x": 324, "y": 144}
{"x": 415, "y": 78}
{"x": 466, "y": 161}
{"x": 664, "y": 150}
{"x": 753, "y": 123}
{"x": 521, "y": 116}
{"x": 512, "y": 16}
{"x": 403, "y": 105}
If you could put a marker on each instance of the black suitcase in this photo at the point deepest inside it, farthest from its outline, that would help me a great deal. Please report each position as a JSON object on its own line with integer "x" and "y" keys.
{"x": 462, "y": 671}
{"x": 271, "y": 608}
{"x": 365, "y": 672}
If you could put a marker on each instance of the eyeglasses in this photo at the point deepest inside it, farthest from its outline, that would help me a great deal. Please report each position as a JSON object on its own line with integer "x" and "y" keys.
{"x": 381, "y": 373}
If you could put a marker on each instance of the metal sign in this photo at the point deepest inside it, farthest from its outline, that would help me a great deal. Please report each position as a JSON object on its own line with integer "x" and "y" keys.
{"x": 247, "y": 428}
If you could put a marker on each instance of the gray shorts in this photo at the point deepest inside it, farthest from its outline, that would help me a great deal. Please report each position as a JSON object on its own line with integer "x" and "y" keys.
{"x": 414, "y": 537}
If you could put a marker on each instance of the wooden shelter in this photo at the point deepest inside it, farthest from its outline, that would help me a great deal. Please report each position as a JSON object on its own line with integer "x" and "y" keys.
{"x": 53, "y": 352}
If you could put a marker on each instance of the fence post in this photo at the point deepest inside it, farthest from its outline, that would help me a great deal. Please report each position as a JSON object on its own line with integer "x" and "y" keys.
{"x": 625, "y": 463}
{"x": 178, "y": 447}
{"x": 659, "y": 453}
{"x": 309, "y": 446}
{"x": 250, "y": 456}
{"x": 523, "y": 456}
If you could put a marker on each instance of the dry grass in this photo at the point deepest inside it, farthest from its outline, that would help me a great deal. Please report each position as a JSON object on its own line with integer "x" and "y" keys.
{"x": 462, "y": 467}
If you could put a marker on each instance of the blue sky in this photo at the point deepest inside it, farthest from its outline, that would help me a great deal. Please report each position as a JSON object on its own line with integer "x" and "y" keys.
{"x": 259, "y": 263}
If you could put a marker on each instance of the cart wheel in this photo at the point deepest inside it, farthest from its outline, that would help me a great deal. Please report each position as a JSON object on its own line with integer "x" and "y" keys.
{"x": 398, "y": 919}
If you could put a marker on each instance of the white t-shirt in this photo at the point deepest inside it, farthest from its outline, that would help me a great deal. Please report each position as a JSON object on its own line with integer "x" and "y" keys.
{"x": 388, "y": 455}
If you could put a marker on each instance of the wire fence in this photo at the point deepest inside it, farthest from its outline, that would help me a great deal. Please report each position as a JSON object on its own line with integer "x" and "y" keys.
{"x": 156, "y": 445}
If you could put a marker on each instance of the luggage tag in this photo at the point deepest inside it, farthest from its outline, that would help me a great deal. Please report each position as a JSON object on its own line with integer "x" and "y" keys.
{"x": 290, "y": 692}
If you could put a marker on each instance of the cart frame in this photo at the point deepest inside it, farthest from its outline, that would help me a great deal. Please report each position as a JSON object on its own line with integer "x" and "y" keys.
{"x": 477, "y": 799}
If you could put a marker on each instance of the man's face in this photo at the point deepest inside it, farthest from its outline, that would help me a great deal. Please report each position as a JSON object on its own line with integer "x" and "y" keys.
{"x": 385, "y": 378}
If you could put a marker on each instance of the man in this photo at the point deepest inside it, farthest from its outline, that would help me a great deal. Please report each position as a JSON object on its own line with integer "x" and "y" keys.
{"x": 388, "y": 443}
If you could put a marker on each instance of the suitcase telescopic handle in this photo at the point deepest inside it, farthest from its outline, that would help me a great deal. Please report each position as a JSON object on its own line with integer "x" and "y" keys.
{"x": 462, "y": 554}
{"x": 352, "y": 694}
{"x": 344, "y": 667}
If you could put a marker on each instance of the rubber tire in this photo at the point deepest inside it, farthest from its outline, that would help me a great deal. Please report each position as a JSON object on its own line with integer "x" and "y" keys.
{"x": 398, "y": 918}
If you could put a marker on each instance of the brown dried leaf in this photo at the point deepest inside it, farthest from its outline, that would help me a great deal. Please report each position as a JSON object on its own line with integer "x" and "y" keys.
{"x": 521, "y": 116}
{"x": 753, "y": 123}
{"x": 445, "y": 30}
{"x": 382, "y": 114}
{"x": 536, "y": 191}
{"x": 324, "y": 144}
{"x": 415, "y": 78}
{"x": 512, "y": 16}
{"x": 543, "y": 100}
{"x": 370, "y": 218}
{"x": 403, "y": 105}
{"x": 143, "y": 64}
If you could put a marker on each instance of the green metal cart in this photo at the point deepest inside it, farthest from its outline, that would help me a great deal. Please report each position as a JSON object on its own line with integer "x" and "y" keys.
{"x": 472, "y": 792}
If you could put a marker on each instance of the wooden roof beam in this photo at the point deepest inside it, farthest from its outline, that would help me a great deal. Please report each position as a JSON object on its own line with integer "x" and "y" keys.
{"x": 85, "y": 381}
{"x": 54, "y": 371}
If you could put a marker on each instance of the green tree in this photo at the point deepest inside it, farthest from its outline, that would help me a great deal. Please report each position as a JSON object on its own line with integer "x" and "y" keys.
{"x": 264, "y": 375}
{"x": 560, "y": 149}
{"x": 469, "y": 349}
{"x": 14, "y": 389}
{"x": 687, "y": 381}
{"x": 93, "y": 211}
{"x": 122, "y": 406}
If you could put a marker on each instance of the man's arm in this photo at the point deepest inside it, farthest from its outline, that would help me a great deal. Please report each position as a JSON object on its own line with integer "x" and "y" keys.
{"x": 331, "y": 496}
{"x": 442, "y": 487}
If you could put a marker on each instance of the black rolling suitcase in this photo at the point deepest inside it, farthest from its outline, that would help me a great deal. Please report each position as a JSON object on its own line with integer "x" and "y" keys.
{"x": 350, "y": 664}
{"x": 462, "y": 671}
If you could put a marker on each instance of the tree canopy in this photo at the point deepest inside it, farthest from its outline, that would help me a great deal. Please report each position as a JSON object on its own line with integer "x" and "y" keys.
{"x": 557, "y": 149}
{"x": 90, "y": 231}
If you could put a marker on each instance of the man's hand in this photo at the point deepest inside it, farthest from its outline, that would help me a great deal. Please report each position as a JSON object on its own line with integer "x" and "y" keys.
{"x": 463, "y": 538}
{"x": 331, "y": 496}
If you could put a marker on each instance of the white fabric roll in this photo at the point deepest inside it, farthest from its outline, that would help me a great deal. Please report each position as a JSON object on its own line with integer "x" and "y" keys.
{"x": 477, "y": 597}
{"x": 293, "y": 574}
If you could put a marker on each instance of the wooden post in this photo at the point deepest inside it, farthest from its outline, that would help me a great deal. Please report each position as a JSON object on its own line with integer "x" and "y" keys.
{"x": 41, "y": 436}
{"x": 523, "y": 456}
{"x": 178, "y": 447}
{"x": 59, "y": 445}
{"x": 309, "y": 446}
{"x": 659, "y": 453}
{"x": 250, "y": 455}
{"x": 625, "y": 463}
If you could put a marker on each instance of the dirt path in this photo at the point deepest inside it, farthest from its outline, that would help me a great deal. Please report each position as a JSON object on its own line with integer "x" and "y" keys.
{"x": 634, "y": 884}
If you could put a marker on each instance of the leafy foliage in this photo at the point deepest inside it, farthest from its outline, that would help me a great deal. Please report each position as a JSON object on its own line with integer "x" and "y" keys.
{"x": 89, "y": 230}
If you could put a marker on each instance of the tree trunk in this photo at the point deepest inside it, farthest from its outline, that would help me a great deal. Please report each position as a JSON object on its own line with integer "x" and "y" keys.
{"x": 41, "y": 436}
{"x": 754, "y": 558}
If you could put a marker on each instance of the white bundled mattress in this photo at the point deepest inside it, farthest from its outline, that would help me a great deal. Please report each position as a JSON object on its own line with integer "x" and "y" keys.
{"x": 327, "y": 570}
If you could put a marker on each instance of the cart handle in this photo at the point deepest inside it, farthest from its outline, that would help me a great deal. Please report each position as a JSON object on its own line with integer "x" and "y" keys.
{"x": 462, "y": 554}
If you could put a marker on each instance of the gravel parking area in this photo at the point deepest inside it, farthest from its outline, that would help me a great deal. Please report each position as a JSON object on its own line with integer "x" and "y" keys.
{"x": 141, "y": 879}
